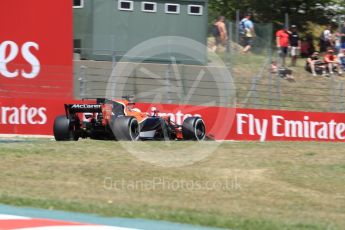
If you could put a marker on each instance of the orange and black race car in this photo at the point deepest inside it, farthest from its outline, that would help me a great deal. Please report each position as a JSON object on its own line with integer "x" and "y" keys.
{"x": 119, "y": 120}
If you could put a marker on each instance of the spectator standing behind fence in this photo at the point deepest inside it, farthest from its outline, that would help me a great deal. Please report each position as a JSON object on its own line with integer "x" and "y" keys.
{"x": 295, "y": 44}
{"x": 220, "y": 33}
{"x": 282, "y": 41}
{"x": 247, "y": 33}
{"x": 326, "y": 39}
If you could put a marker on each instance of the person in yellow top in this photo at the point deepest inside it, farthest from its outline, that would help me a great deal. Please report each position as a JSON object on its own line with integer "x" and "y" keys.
{"x": 220, "y": 33}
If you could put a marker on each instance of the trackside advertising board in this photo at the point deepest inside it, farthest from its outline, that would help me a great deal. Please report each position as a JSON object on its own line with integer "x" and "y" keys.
{"x": 29, "y": 116}
{"x": 36, "y": 116}
{"x": 36, "y": 49}
{"x": 252, "y": 124}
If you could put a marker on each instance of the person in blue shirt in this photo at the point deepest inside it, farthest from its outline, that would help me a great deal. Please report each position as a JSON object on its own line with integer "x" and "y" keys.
{"x": 247, "y": 33}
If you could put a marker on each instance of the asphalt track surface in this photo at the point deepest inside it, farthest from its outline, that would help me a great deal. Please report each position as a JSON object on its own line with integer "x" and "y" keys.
{"x": 4, "y": 141}
{"x": 10, "y": 138}
{"x": 42, "y": 219}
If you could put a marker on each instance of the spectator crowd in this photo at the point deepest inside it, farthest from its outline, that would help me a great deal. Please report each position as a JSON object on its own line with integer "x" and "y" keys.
{"x": 331, "y": 56}
{"x": 329, "y": 59}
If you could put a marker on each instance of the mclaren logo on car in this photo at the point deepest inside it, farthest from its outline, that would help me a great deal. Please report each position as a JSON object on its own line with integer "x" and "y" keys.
{"x": 85, "y": 106}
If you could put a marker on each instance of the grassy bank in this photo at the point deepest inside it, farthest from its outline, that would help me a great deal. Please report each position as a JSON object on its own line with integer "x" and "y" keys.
{"x": 242, "y": 185}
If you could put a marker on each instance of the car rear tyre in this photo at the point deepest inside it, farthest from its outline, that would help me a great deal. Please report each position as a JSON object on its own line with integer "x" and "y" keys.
{"x": 63, "y": 130}
{"x": 193, "y": 128}
{"x": 126, "y": 128}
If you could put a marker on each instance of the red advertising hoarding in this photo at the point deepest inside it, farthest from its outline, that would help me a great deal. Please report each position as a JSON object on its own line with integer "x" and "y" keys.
{"x": 275, "y": 125}
{"x": 36, "y": 116}
{"x": 36, "y": 49}
{"x": 29, "y": 116}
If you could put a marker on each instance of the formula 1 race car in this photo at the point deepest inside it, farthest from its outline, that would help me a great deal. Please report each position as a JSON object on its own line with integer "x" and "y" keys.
{"x": 119, "y": 120}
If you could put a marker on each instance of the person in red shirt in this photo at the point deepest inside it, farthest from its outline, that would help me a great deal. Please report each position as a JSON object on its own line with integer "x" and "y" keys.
{"x": 332, "y": 62}
{"x": 282, "y": 41}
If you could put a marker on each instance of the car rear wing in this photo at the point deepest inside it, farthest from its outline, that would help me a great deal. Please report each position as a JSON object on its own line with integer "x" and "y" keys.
{"x": 82, "y": 108}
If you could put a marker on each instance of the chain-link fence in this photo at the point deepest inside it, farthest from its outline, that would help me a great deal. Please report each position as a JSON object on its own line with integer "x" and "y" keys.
{"x": 169, "y": 83}
{"x": 258, "y": 86}
{"x": 26, "y": 81}
{"x": 252, "y": 81}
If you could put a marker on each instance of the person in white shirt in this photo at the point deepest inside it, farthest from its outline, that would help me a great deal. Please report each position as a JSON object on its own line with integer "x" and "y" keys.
{"x": 326, "y": 39}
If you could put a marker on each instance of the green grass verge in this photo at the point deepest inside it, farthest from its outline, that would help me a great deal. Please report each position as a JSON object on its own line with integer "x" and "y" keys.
{"x": 275, "y": 185}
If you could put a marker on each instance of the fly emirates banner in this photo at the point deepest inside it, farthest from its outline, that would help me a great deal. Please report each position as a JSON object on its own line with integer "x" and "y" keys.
{"x": 36, "y": 116}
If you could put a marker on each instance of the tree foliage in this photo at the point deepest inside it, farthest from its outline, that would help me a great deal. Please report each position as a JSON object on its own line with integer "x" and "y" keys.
{"x": 299, "y": 11}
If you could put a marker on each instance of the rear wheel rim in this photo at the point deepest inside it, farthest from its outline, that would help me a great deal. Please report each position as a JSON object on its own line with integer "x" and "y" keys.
{"x": 199, "y": 130}
{"x": 134, "y": 129}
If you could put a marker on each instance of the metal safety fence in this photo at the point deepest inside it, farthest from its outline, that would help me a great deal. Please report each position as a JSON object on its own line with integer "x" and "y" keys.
{"x": 251, "y": 85}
